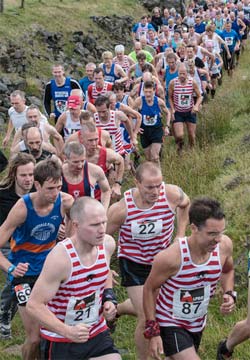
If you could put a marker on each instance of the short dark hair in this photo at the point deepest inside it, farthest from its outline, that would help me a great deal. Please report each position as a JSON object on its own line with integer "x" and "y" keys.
{"x": 99, "y": 70}
{"x": 100, "y": 100}
{"x": 205, "y": 208}
{"x": 47, "y": 169}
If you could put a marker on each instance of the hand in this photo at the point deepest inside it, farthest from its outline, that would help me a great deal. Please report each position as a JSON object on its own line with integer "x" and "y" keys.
{"x": 116, "y": 191}
{"x": 61, "y": 233}
{"x": 229, "y": 56}
{"x": 141, "y": 131}
{"x": 195, "y": 109}
{"x": 5, "y": 141}
{"x": 155, "y": 347}
{"x": 228, "y": 304}
{"x": 78, "y": 333}
{"x": 166, "y": 130}
{"x": 52, "y": 116}
{"x": 109, "y": 310}
{"x": 20, "y": 270}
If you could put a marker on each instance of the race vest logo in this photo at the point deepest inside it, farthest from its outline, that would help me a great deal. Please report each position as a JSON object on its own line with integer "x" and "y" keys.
{"x": 192, "y": 295}
{"x": 42, "y": 232}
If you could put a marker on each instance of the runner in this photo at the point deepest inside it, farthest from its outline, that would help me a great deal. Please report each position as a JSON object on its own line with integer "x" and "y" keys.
{"x": 33, "y": 224}
{"x": 187, "y": 274}
{"x": 81, "y": 178}
{"x": 72, "y": 316}
{"x": 145, "y": 221}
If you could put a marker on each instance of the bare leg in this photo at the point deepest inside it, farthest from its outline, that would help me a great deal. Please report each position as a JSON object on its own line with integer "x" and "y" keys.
{"x": 155, "y": 152}
{"x": 126, "y": 308}
{"x": 179, "y": 135}
{"x": 30, "y": 349}
{"x": 135, "y": 294}
{"x": 191, "y": 128}
{"x": 187, "y": 354}
{"x": 240, "y": 333}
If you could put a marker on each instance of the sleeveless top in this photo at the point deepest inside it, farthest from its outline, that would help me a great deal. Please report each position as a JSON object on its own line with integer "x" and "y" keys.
{"x": 70, "y": 126}
{"x": 32, "y": 241}
{"x": 183, "y": 95}
{"x": 97, "y": 92}
{"x": 151, "y": 114}
{"x": 183, "y": 299}
{"x": 114, "y": 131}
{"x": 79, "y": 299}
{"x": 125, "y": 65}
{"x": 110, "y": 76}
{"x": 145, "y": 232}
{"x": 83, "y": 188}
{"x": 60, "y": 95}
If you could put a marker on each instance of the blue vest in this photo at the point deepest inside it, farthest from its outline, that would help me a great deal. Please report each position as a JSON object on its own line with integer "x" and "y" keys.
{"x": 60, "y": 95}
{"x": 151, "y": 114}
{"x": 110, "y": 77}
{"x": 32, "y": 241}
{"x": 168, "y": 77}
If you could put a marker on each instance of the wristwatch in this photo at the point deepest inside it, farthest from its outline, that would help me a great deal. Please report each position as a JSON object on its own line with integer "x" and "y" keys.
{"x": 233, "y": 294}
{"x": 10, "y": 270}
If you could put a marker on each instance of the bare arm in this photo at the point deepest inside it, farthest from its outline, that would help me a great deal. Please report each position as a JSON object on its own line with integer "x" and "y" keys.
{"x": 180, "y": 202}
{"x": 166, "y": 264}
{"x": 17, "y": 139}
{"x": 120, "y": 72}
{"x": 16, "y": 217}
{"x": 58, "y": 140}
{"x": 227, "y": 275}
{"x": 61, "y": 122}
{"x": 116, "y": 216}
{"x": 45, "y": 289}
{"x": 134, "y": 114}
{"x": 8, "y": 134}
{"x": 103, "y": 184}
{"x": 198, "y": 95}
{"x": 121, "y": 117}
{"x": 117, "y": 159}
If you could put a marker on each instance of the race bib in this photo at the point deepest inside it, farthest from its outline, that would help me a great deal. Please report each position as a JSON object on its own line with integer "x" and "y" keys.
{"x": 229, "y": 41}
{"x": 61, "y": 105}
{"x": 22, "y": 293}
{"x": 146, "y": 229}
{"x": 149, "y": 120}
{"x": 184, "y": 100}
{"x": 85, "y": 310}
{"x": 191, "y": 304}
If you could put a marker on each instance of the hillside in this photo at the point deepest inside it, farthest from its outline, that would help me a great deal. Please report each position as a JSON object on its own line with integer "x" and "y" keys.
{"x": 219, "y": 166}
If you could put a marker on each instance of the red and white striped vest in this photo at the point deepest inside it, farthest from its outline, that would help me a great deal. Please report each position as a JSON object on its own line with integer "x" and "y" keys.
{"x": 183, "y": 95}
{"x": 183, "y": 299}
{"x": 145, "y": 232}
{"x": 125, "y": 64}
{"x": 79, "y": 299}
{"x": 114, "y": 131}
{"x": 102, "y": 91}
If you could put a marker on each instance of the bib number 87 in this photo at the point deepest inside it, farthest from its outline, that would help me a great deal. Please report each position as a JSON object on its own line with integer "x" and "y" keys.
{"x": 187, "y": 308}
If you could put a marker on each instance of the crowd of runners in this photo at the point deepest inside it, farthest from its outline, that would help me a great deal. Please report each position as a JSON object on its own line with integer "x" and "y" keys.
{"x": 61, "y": 201}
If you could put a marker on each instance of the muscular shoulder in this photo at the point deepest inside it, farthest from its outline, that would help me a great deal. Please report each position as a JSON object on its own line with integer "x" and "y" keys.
{"x": 117, "y": 214}
{"x": 95, "y": 170}
{"x": 58, "y": 256}
{"x": 67, "y": 201}
{"x": 169, "y": 259}
{"x": 176, "y": 196}
{"x": 226, "y": 246}
{"x": 109, "y": 244}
